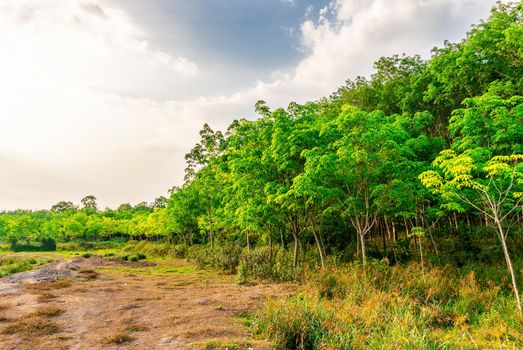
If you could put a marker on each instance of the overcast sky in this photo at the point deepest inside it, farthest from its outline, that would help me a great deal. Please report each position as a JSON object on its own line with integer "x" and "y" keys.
{"x": 105, "y": 97}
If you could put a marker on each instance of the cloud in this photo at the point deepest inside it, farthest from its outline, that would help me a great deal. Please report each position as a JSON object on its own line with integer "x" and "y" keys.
{"x": 80, "y": 111}
{"x": 94, "y": 9}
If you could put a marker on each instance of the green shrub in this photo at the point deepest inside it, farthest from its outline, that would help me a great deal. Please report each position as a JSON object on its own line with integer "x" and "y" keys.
{"x": 146, "y": 248}
{"x": 259, "y": 263}
{"x": 225, "y": 256}
{"x": 180, "y": 251}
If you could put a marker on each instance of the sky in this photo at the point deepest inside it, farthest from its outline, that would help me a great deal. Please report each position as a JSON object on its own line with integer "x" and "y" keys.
{"x": 104, "y": 97}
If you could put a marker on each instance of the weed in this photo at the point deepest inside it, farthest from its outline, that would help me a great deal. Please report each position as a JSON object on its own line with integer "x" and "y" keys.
{"x": 31, "y": 326}
{"x": 117, "y": 338}
{"x": 48, "y": 311}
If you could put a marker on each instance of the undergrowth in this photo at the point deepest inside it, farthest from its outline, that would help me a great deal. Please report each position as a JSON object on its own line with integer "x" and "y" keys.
{"x": 375, "y": 306}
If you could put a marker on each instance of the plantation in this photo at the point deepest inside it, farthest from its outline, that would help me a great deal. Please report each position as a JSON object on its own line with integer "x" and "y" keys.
{"x": 394, "y": 208}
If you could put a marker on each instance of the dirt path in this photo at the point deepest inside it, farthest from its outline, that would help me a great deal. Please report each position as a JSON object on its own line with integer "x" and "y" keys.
{"x": 168, "y": 306}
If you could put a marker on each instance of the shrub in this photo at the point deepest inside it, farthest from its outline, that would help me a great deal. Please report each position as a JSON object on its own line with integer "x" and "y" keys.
{"x": 146, "y": 248}
{"x": 259, "y": 263}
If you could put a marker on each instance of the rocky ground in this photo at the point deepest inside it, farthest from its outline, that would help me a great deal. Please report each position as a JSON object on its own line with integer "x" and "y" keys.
{"x": 96, "y": 303}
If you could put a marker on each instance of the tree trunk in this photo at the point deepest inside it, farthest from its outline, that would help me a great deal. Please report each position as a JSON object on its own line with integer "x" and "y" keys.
{"x": 296, "y": 251}
{"x": 270, "y": 245}
{"x": 501, "y": 235}
{"x": 318, "y": 243}
{"x": 393, "y": 232}
{"x": 363, "y": 247}
{"x": 248, "y": 242}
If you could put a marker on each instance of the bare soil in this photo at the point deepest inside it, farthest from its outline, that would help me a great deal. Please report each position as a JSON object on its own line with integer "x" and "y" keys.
{"x": 99, "y": 303}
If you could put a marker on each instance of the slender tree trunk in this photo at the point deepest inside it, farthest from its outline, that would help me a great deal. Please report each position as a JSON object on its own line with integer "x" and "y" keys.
{"x": 270, "y": 244}
{"x": 501, "y": 235}
{"x": 384, "y": 242}
{"x": 358, "y": 245}
{"x": 248, "y": 242}
{"x": 296, "y": 251}
{"x": 318, "y": 242}
{"x": 393, "y": 232}
{"x": 363, "y": 247}
{"x": 421, "y": 258}
{"x": 388, "y": 230}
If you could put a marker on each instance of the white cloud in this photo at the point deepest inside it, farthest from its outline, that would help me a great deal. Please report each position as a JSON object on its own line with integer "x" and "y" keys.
{"x": 79, "y": 79}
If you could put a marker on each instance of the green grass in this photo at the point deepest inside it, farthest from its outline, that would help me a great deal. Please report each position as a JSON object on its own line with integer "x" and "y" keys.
{"x": 163, "y": 267}
{"x": 12, "y": 265}
{"x": 382, "y": 307}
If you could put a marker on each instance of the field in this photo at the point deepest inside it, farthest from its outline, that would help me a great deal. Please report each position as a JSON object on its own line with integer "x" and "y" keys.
{"x": 106, "y": 304}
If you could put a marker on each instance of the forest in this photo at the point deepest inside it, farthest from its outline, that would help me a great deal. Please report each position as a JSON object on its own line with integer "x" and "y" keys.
{"x": 398, "y": 200}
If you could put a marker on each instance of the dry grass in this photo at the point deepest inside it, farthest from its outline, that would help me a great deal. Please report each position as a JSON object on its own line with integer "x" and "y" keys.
{"x": 37, "y": 287}
{"x": 46, "y": 297}
{"x": 88, "y": 274}
{"x": 48, "y": 311}
{"x": 136, "y": 328}
{"x": 4, "y": 306}
{"x": 31, "y": 326}
{"x": 117, "y": 338}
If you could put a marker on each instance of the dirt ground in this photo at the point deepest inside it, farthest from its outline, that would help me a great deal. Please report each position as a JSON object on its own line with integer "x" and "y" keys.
{"x": 110, "y": 305}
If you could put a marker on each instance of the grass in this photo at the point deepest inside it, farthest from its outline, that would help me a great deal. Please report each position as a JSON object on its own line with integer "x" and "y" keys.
{"x": 48, "y": 311}
{"x": 163, "y": 267}
{"x": 382, "y": 307}
{"x": 215, "y": 344}
{"x": 45, "y": 297}
{"x": 42, "y": 287}
{"x": 117, "y": 338}
{"x": 88, "y": 274}
{"x": 12, "y": 265}
{"x": 136, "y": 328}
{"x": 31, "y": 326}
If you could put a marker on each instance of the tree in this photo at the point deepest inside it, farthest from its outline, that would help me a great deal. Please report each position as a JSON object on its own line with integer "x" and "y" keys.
{"x": 494, "y": 189}
{"x": 63, "y": 206}
{"x": 201, "y": 172}
{"x": 89, "y": 203}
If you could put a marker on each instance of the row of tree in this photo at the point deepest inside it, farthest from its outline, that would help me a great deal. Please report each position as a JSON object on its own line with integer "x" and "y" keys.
{"x": 67, "y": 222}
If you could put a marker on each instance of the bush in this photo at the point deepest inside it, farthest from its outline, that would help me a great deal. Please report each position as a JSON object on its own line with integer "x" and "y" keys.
{"x": 225, "y": 256}
{"x": 146, "y": 248}
{"x": 258, "y": 263}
